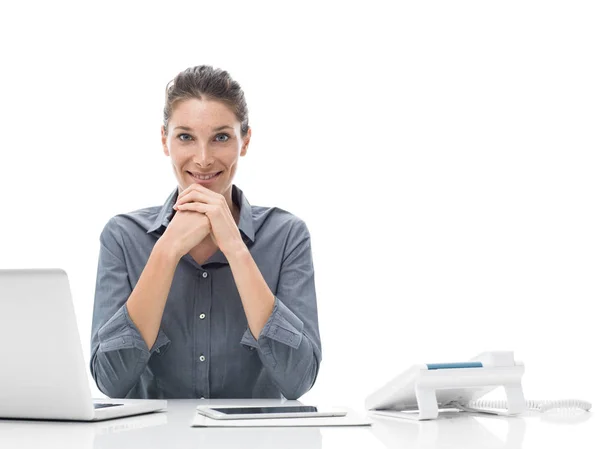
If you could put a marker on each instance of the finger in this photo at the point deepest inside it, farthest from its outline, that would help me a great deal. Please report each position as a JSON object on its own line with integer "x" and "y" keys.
{"x": 197, "y": 188}
{"x": 193, "y": 196}
{"x": 200, "y": 189}
{"x": 203, "y": 197}
{"x": 188, "y": 189}
{"x": 194, "y": 207}
{"x": 184, "y": 191}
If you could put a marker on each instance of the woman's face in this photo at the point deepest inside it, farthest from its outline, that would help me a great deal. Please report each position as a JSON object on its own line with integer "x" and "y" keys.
{"x": 204, "y": 139}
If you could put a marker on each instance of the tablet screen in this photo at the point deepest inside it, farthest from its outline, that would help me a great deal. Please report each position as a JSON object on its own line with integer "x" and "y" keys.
{"x": 265, "y": 410}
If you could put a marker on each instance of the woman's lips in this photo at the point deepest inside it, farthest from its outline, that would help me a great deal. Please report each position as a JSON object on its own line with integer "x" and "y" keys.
{"x": 205, "y": 181}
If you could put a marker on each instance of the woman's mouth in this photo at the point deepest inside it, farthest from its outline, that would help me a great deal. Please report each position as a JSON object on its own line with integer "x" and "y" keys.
{"x": 205, "y": 179}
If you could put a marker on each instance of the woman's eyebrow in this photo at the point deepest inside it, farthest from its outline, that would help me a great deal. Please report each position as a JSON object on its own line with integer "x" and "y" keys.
{"x": 187, "y": 128}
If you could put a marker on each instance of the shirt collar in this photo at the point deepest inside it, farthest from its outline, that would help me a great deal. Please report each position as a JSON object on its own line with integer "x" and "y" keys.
{"x": 166, "y": 212}
{"x": 245, "y": 225}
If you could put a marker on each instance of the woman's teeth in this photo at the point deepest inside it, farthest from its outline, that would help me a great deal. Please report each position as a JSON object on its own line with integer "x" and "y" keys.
{"x": 204, "y": 178}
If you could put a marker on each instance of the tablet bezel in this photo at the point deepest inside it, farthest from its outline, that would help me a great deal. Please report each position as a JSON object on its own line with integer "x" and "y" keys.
{"x": 211, "y": 412}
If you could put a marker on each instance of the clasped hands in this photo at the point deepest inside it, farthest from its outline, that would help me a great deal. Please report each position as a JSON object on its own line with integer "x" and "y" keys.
{"x": 223, "y": 229}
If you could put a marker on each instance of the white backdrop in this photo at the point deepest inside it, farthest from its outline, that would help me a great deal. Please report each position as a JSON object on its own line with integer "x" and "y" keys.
{"x": 444, "y": 156}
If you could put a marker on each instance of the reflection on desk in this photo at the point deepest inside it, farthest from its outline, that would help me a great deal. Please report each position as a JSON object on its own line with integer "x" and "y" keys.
{"x": 475, "y": 430}
{"x": 450, "y": 429}
{"x": 69, "y": 435}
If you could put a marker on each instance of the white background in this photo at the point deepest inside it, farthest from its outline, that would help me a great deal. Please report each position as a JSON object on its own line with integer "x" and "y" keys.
{"x": 444, "y": 156}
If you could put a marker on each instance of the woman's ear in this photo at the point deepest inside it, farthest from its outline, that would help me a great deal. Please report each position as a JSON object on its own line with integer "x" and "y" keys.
{"x": 246, "y": 142}
{"x": 163, "y": 138}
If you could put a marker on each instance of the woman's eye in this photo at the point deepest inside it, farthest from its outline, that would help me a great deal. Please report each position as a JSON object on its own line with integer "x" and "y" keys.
{"x": 184, "y": 137}
{"x": 222, "y": 135}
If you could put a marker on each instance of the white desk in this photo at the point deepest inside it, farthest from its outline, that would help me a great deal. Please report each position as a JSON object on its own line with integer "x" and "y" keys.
{"x": 172, "y": 430}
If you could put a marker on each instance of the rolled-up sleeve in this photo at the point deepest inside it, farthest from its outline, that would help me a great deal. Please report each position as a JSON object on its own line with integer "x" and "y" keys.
{"x": 118, "y": 353}
{"x": 289, "y": 344}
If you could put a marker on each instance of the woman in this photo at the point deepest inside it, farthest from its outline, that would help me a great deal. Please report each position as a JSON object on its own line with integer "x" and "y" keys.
{"x": 205, "y": 296}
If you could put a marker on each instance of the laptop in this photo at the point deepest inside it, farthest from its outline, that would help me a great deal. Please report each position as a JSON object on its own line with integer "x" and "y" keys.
{"x": 43, "y": 374}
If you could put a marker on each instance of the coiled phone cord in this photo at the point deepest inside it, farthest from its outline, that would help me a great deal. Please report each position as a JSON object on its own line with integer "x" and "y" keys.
{"x": 537, "y": 405}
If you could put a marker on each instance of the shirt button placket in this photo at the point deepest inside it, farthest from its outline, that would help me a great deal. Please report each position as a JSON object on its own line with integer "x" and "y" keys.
{"x": 203, "y": 342}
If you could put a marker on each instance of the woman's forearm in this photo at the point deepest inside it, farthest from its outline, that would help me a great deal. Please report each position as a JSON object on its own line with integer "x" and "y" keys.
{"x": 147, "y": 301}
{"x": 257, "y": 298}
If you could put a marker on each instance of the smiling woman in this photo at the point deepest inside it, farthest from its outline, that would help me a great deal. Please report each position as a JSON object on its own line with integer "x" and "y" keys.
{"x": 207, "y": 295}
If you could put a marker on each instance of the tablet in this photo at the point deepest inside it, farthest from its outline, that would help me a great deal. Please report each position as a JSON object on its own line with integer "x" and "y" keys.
{"x": 279, "y": 411}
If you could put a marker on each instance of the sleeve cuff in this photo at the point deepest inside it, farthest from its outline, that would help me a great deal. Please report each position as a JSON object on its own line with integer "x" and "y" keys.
{"x": 120, "y": 332}
{"x": 282, "y": 326}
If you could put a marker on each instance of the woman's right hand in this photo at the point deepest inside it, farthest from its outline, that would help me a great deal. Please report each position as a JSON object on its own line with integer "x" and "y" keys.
{"x": 186, "y": 230}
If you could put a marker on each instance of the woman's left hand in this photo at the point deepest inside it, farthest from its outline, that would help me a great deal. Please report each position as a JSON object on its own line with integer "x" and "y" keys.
{"x": 224, "y": 230}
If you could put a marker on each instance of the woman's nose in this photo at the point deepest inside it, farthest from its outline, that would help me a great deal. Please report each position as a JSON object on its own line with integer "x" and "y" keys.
{"x": 203, "y": 157}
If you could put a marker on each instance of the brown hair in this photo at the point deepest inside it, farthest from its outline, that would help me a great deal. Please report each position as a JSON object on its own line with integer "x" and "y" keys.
{"x": 204, "y": 81}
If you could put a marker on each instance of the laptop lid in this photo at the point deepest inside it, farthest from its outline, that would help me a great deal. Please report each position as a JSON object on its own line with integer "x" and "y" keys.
{"x": 42, "y": 368}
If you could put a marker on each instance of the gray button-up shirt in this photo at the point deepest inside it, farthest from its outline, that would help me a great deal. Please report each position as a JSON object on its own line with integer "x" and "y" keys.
{"x": 204, "y": 347}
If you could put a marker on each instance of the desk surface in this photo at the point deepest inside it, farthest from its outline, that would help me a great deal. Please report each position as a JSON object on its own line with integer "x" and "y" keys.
{"x": 171, "y": 429}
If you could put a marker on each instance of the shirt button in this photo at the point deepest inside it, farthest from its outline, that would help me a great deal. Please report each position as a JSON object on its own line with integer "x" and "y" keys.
{"x": 202, "y": 358}
{"x": 202, "y": 316}
{"x": 205, "y": 275}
